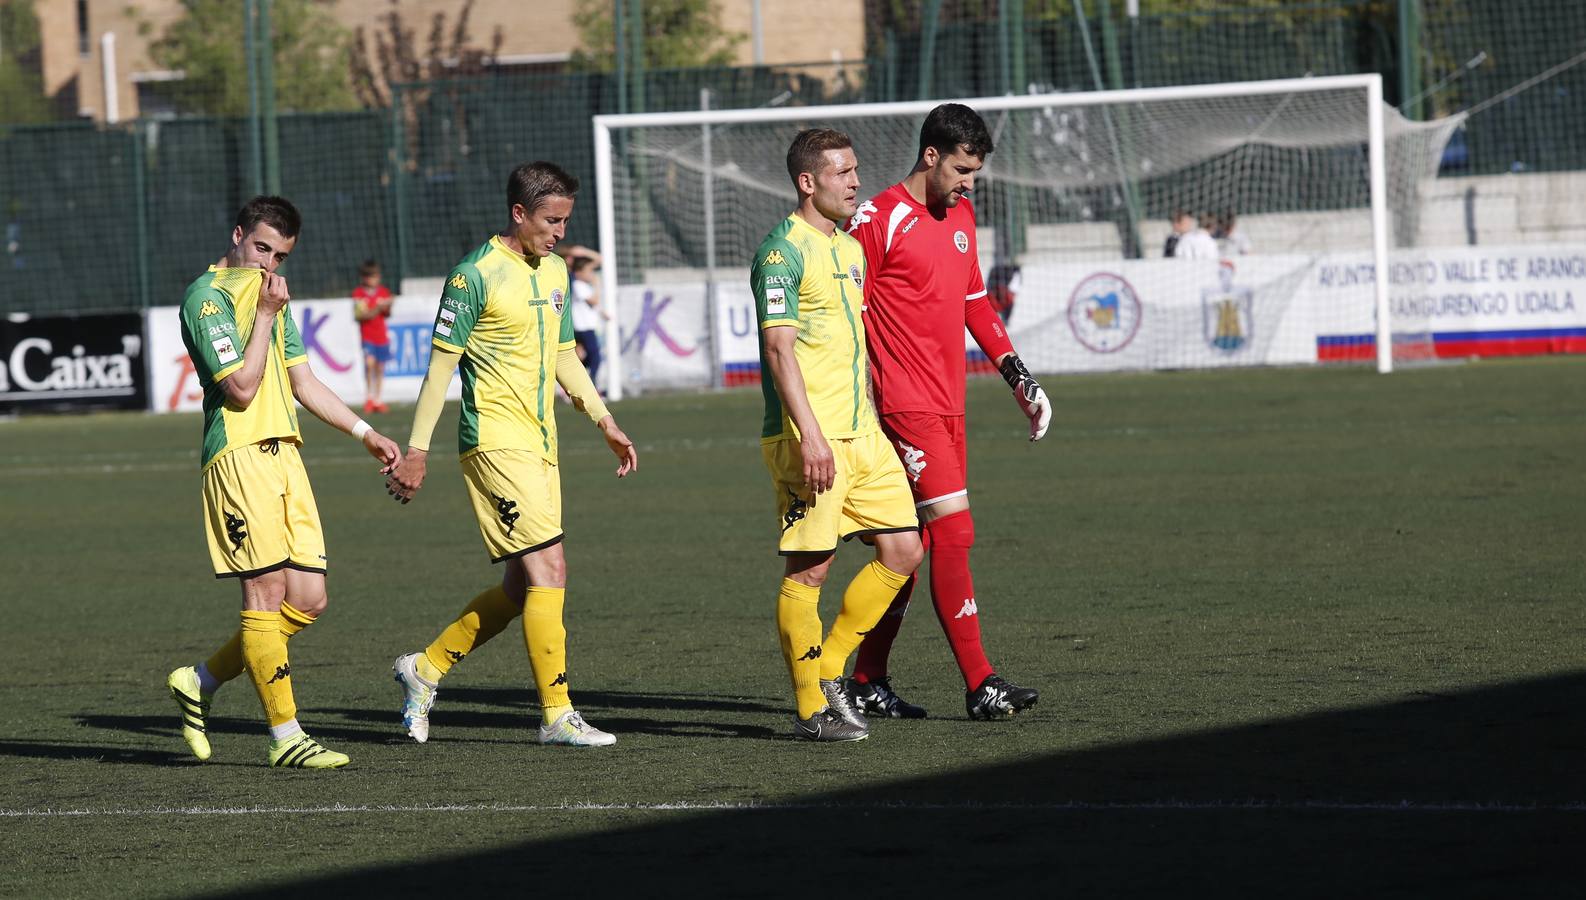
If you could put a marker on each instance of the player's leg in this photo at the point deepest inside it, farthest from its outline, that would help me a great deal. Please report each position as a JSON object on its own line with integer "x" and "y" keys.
{"x": 811, "y": 525}
{"x": 951, "y": 526}
{"x": 382, "y": 355}
{"x": 370, "y": 364}
{"x": 541, "y": 577}
{"x": 879, "y": 508}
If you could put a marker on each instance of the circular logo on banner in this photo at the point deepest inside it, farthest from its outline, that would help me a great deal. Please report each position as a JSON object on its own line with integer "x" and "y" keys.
{"x": 853, "y": 272}
{"x": 556, "y": 301}
{"x": 961, "y": 241}
{"x": 1104, "y": 313}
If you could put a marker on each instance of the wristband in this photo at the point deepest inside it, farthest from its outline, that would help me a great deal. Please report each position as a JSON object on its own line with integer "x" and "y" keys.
{"x": 1014, "y": 371}
{"x": 361, "y": 428}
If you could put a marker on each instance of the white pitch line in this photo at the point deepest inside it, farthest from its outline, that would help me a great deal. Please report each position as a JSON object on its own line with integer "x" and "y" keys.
{"x": 1402, "y": 806}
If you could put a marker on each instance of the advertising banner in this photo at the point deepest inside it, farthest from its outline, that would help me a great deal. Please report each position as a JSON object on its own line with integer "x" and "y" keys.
{"x": 60, "y": 363}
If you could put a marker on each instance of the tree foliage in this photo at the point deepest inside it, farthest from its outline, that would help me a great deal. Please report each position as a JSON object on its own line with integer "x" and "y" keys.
{"x": 678, "y": 34}
{"x": 22, "y": 97}
{"x": 382, "y": 57}
{"x": 206, "y": 44}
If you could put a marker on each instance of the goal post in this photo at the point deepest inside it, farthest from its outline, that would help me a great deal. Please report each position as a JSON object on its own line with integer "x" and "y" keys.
{"x": 1072, "y": 209}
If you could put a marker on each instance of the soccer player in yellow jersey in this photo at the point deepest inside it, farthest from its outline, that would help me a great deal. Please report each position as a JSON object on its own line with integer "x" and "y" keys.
{"x": 259, "y": 512}
{"x": 834, "y": 474}
{"x": 504, "y": 317}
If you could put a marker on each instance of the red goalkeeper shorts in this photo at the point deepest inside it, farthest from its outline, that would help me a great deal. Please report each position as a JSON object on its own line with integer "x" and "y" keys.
{"x": 931, "y": 447}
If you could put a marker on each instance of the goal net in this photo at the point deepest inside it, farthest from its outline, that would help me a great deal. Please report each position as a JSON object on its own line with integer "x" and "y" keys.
{"x": 1289, "y": 197}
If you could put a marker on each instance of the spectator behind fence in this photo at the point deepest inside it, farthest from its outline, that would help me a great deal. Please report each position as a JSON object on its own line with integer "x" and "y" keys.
{"x": 1189, "y": 240}
{"x": 1231, "y": 239}
{"x": 1002, "y": 288}
{"x": 371, "y": 306}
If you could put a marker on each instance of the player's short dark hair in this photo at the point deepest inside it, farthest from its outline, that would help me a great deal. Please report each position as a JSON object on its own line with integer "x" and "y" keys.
{"x": 807, "y": 153}
{"x": 276, "y": 212}
{"x": 370, "y": 266}
{"x": 579, "y": 263}
{"x": 533, "y": 183}
{"x": 954, "y": 125}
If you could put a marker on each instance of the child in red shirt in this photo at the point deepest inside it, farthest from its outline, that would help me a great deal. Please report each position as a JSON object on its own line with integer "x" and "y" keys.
{"x": 371, "y": 306}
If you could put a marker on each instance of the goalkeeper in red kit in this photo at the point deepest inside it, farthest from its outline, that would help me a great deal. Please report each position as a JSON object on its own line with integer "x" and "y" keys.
{"x": 923, "y": 287}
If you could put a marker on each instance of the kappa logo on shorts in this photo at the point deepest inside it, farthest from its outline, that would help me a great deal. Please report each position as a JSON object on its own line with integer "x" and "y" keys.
{"x": 282, "y": 673}
{"x": 913, "y": 460}
{"x": 459, "y": 282}
{"x": 505, "y": 511}
{"x": 234, "y": 526}
{"x": 208, "y": 309}
{"x": 774, "y": 258}
{"x": 795, "y": 510}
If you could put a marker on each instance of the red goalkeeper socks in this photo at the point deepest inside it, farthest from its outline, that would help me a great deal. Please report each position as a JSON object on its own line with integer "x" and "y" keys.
{"x": 953, "y": 593}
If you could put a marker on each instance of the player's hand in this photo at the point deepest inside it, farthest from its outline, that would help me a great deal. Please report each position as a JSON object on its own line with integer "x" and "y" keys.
{"x": 382, "y": 448}
{"x": 1029, "y": 395}
{"x": 820, "y": 470}
{"x": 273, "y": 293}
{"x": 408, "y": 476}
{"x": 627, "y": 454}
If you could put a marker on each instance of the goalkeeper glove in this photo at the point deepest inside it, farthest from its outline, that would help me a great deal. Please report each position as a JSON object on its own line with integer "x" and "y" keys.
{"x": 1027, "y": 391}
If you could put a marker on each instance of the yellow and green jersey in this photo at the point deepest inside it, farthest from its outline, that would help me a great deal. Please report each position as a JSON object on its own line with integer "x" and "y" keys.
{"x": 504, "y": 313}
{"x": 801, "y": 277}
{"x": 217, "y": 321}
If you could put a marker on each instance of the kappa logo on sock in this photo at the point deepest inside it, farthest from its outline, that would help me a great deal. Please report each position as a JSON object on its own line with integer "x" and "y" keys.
{"x": 234, "y": 526}
{"x": 811, "y": 653}
{"x": 505, "y": 511}
{"x": 561, "y": 678}
{"x": 969, "y": 609}
{"x": 282, "y": 673}
{"x": 456, "y": 655}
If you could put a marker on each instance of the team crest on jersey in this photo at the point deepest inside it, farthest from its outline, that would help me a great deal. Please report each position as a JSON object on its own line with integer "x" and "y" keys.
{"x": 961, "y": 241}
{"x": 774, "y": 258}
{"x": 208, "y": 309}
{"x": 856, "y": 275}
{"x": 459, "y": 282}
{"x": 556, "y": 301}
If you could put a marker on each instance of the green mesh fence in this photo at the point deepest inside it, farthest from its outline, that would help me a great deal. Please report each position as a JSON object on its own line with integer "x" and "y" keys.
{"x": 125, "y": 216}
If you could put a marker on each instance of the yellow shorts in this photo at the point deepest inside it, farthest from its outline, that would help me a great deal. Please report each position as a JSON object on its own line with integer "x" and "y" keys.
{"x": 517, "y": 497}
{"x": 870, "y": 494}
{"x": 259, "y": 512}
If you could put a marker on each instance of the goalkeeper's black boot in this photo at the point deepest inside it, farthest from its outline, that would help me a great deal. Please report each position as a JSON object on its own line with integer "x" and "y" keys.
{"x": 875, "y": 698}
{"x": 997, "y": 698}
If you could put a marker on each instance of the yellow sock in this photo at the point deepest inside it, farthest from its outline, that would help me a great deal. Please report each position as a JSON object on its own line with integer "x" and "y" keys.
{"x": 226, "y": 664}
{"x": 864, "y": 603}
{"x": 798, "y": 620}
{"x": 264, "y": 655}
{"x": 482, "y": 619}
{"x": 546, "y": 641}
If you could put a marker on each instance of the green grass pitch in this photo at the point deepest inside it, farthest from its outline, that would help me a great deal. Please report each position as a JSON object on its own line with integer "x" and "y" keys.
{"x": 1298, "y": 632}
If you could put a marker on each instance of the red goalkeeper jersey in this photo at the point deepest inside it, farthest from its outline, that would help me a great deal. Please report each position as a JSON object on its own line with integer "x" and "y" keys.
{"x": 922, "y": 287}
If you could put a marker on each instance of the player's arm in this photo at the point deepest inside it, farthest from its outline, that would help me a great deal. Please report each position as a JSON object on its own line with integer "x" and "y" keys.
{"x": 986, "y": 327}
{"x": 408, "y": 475}
{"x": 329, "y": 408}
{"x": 574, "y": 379}
{"x": 361, "y": 310}
{"x": 242, "y": 385}
{"x": 780, "y": 343}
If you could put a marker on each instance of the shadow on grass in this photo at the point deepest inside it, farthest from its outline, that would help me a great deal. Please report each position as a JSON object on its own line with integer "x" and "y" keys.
{"x": 114, "y": 755}
{"x": 592, "y": 700}
{"x": 1480, "y": 793}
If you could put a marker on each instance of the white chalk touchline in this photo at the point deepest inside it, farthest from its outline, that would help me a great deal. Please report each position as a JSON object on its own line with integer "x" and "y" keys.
{"x": 1395, "y": 806}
